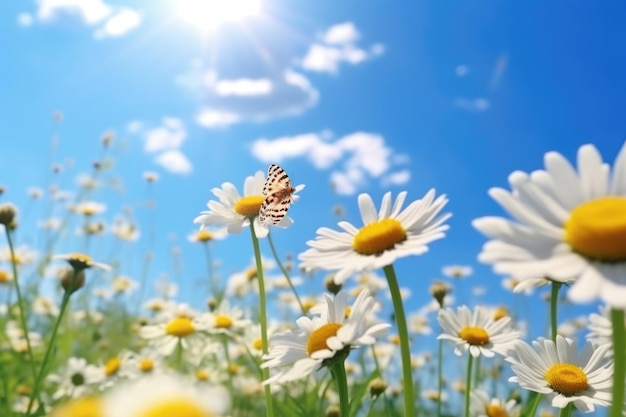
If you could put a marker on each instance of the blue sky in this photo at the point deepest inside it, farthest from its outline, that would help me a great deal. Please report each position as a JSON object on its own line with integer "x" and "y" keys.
{"x": 399, "y": 95}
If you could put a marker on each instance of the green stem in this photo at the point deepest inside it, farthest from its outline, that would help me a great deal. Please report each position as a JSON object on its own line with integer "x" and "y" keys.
{"x": 212, "y": 282}
{"x": 566, "y": 411}
{"x": 338, "y": 370}
{"x": 536, "y": 400}
{"x": 439, "y": 375}
{"x": 269, "y": 407}
{"x": 468, "y": 383}
{"x": 405, "y": 351}
{"x": 285, "y": 273}
{"x": 554, "y": 300}
{"x": 50, "y": 346}
{"x": 619, "y": 347}
{"x": 20, "y": 303}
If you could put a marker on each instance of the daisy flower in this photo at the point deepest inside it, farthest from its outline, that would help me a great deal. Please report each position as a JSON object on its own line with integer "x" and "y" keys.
{"x": 457, "y": 271}
{"x": 477, "y": 332}
{"x": 601, "y": 328}
{"x": 562, "y": 375}
{"x": 569, "y": 225}
{"x": 75, "y": 379}
{"x": 320, "y": 338}
{"x": 175, "y": 326}
{"x": 224, "y": 320}
{"x": 481, "y": 405}
{"x": 80, "y": 261}
{"x": 390, "y": 234}
{"x": 234, "y": 211}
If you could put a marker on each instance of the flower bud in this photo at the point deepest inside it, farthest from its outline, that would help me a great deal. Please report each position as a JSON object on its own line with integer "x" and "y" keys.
{"x": 439, "y": 290}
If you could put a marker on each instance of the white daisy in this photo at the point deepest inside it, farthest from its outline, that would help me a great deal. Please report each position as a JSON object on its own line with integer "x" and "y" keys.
{"x": 386, "y": 236}
{"x": 481, "y": 405}
{"x": 165, "y": 395}
{"x": 234, "y": 211}
{"x": 317, "y": 339}
{"x": 601, "y": 328}
{"x": 568, "y": 226}
{"x": 175, "y": 326}
{"x": 457, "y": 271}
{"x": 477, "y": 332}
{"x": 80, "y": 261}
{"x": 75, "y": 379}
{"x": 562, "y": 375}
{"x": 224, "y": 320}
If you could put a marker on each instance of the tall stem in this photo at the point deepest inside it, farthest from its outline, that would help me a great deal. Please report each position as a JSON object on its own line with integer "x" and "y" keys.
{"x": 338, "y": 370}
{"x": 554, "y": 301}
{"x": 439, "y": 375}
{"x": 50, "y": 347}
{"x": 405, "y": 350}
{"x": 20, "y": 304}
{"x": 468, "y": 383}
{"x": 285, "y": 273}
{"x": 269, "y": 407}
{"x": 619, "y": 349}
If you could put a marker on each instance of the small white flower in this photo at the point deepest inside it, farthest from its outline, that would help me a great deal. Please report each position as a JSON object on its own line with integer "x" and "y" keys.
{"x": 477, "y": 332}
{"x": 601, "y": 328}
{"x": 390, "y": 234}
{"x": 76, "y": 379}
{"x": 457, "y": 271}
{"x": 304, "y": 351}
{"x": 80, "y": 261}
{"x": 224, "y": 320}
{"x": 481, "y": 405}
{"x": 562, "y": 375}
{"x": 568, "y": 225}
{"x": 175, "y": 326}
{"x": 234, "y": 211}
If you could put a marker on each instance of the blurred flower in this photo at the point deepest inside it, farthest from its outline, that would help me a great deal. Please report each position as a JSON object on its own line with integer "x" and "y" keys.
{"x": 477, "y": 331}
{"x": 457, "y": 271}
{"x": 76, "y": 379}
{"x": 125, "y": 230}
{"x": 150, "y": 176}
{"x": 80, "y": 261}
{"x": 206, "y": 235}
{"x": 177, "y": 325}
{"x": 418, "y": 324}
{"x": 562, "y": 375}
{"x": 224, "y": 320}
{"x": 601, "y": 328}
{"x": 234, "y": 211}
{"x": 45, "y": 306}
{"x": 89, "y": 208}
{"x": 123, "y": 285}
{"x": 23, "y": 255}
{"x": 385, "y": 237}
{"x": 483, "y": 406}
{"x": 569, "y": 226}
{"x": 35, "y": 193}
{"x": 317, "y": 339}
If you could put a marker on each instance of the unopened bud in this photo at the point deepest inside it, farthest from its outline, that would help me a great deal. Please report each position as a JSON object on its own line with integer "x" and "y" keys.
{"x": 7, "y": 214}
{"x": 439, "y": 290}
{"x": 377, "y": 387}
{"x": 72, "y": 280}
{"x": 332, "y": 411}
{"x": 331, "y": 285}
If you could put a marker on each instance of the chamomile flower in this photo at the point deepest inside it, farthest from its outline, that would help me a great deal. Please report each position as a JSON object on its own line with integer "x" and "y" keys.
{"x": 234, "y": 211}
{"x": 178, "y": 325}
{"x": 301, "y": 352}
{"x": 80, "y": 261}
{"x": 165, "y": 396}
{"x": 477, "y": 332}
{"x": 568, "y": 225}
{"x": 563, "y": 375}
{"x": 224, "y": 320}
{"x": 390, "y": 234}
{"x": 601, "y": 328}
{"x": 481, "y": 405}
{"x": 76, "y": 379}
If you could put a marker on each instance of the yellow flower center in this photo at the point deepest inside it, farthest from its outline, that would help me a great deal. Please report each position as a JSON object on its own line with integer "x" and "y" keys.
{"x": 175, "y": 407}
{"x": 347, "y": 312}
{"x": 79, "y": 260}
{"x": 257, "y": 344}
{"x": 5, "y": 277}
{"x": 180, "y": 327}
{"x": 500, "y": 313}
{"x": 566, "y": 379}
{"x": 318, "y": 337}
{"x": 233, "y": 369}
{"x": 495, "y": 411}
{"x": 112, "y": 366}
{"x": 251, "y": 273}
{"x": 249, "y": 205}
{"x": 377, "y": 237}
{"x": 597, "y": 229}
{"x": 202, "y": 375}
{"x": 395, "y": 339}
{"x": 82, "y": 407}
{"x": 204, "y": 235}
{"x": 308, "y": 304}
{"x": 474, "y": 335}
{"x": 146, "y": 365}
{"x": 223, "y": 322}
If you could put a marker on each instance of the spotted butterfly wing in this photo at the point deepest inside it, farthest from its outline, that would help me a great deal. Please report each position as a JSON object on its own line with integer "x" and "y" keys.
{"x": 279, "y": 195}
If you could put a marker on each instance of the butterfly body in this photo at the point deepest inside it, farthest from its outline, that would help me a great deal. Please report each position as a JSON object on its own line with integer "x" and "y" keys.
{"x": 279, "y": 195}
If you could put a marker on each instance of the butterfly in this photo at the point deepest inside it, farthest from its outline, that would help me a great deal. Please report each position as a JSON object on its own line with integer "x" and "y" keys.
{"x": 279, "y": 195}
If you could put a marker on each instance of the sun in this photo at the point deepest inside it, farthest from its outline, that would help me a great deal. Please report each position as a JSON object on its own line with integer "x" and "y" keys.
{"x": 208, "y": 14}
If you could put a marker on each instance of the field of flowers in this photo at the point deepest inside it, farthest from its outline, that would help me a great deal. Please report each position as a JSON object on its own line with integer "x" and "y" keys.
{"x": 80, "y": 339}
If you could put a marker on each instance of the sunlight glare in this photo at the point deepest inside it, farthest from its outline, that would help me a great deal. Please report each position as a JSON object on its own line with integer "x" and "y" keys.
{"x": 206, "y": 14}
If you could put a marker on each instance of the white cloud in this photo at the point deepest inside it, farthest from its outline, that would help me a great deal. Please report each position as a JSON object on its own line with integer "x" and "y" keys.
{"x": 89, "y": 11}
{"x": 354, "y": 157}
{"x": 338, "y": 45}
{"x": 243, "y": 87}
{"x": 25, "y": 19}
{"x": 212, "y": 118}
{"x": 164, "y": 142}
{"x": 110, "y": 21}
{"x": 122, "y": 22}
{"x": 174, "y": 161}
{"x": 478, "y": 104}
{"x": 341, "y": 33}
{"x": 249, "y": 99}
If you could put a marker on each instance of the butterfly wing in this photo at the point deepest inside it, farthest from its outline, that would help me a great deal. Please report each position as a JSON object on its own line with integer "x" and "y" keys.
{"x": 278, "y": 192}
